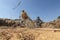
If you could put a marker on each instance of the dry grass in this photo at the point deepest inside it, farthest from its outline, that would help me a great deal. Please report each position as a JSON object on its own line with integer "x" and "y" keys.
{"x": 29, "y": 34}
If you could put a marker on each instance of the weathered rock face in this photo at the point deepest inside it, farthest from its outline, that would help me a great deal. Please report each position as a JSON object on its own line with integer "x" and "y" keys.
{"x": 47, "y": 25}
{"x": 29, "y": 23}
{"x": 57, "y": 23}
{"x": 25, "y": 20}
{"x": 24, "y": 15}
{"x": 52, "y": 24}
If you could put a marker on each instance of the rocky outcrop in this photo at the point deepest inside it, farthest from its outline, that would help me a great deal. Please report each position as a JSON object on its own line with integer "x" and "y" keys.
{"x": 8, "y": 22}
{"x": 38, "y": 22}
{"x": 52, "y": 24}
{"x": 26, "y": 21}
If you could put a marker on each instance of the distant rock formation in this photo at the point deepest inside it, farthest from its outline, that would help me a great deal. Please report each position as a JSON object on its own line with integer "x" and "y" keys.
{"x": 24, "y": 15}
{"x": 52, "y": 24}
{"x": 26, "y": 21}
{"x": 9, "y": 22}
{"x": 38, "y": 22}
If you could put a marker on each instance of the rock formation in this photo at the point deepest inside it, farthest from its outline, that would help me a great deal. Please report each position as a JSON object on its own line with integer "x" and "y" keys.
{"x": 38, "y": 22}
{"x": 25, "y": 20}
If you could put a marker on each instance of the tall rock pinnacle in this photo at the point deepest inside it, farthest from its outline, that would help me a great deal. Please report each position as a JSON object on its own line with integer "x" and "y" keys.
{"x": 24, "y": 15}
{"x": 26, "y": 21}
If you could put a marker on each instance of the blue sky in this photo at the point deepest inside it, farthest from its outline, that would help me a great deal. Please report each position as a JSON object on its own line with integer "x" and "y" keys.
{"x": 47, "y": 10}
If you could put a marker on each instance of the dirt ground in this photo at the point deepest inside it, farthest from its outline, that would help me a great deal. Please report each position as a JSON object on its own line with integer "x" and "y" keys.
{"x": 29, "y": 34}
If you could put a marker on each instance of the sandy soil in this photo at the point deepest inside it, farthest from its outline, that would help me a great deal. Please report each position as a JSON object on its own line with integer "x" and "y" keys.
{"x": 29, "y": 34}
